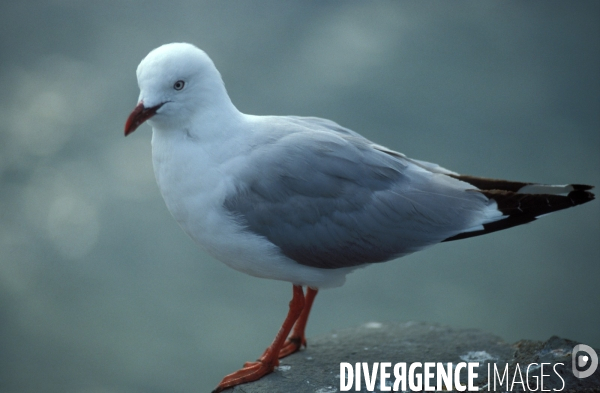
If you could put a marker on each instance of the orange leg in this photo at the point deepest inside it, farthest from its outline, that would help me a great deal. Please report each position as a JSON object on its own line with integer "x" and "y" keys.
{"x": 253, "y": 371}
{"x": 297, "y": 339}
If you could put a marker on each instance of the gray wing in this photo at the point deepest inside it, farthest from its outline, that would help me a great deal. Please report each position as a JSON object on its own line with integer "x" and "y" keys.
{"x": 317, "y": 122}
{"x": 331, "y": 199}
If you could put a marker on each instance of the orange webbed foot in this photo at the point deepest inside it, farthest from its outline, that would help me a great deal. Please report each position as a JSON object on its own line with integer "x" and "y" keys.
{"x": 251, "y": 371}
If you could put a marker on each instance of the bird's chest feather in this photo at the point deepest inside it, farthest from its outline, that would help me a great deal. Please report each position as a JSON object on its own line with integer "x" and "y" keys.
{"x": 193, "y": 182}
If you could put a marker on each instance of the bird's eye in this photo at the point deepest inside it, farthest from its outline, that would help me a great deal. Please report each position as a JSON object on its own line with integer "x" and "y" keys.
{"x": 178, "y": 85}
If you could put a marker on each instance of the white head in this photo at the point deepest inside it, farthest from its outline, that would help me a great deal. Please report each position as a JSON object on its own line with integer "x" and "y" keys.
{"x": 177, "y": 81}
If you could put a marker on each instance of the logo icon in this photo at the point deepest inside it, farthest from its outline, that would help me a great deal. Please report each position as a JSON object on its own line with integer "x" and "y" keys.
{"x": 582, "y": 361}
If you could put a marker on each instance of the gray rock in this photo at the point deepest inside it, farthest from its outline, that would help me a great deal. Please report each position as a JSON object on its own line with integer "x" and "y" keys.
{"x": 316, "y": 369}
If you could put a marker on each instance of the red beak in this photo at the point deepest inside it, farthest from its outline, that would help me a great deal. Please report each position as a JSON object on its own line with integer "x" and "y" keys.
{"x": 139, "y": 115}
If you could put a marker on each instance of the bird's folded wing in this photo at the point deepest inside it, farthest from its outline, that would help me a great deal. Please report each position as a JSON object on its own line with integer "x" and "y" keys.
{"x": 334, "y": 199}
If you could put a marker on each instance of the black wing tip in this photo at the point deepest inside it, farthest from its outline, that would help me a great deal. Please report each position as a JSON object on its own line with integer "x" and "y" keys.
{"x": 580, "y": 196}
{"x": 524, "y": 208}
{"x": 488, "y": 184}
{"x": 581, "y": 187}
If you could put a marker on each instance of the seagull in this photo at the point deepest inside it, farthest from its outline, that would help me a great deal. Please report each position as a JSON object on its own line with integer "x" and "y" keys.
{"x": 303, "y": 199}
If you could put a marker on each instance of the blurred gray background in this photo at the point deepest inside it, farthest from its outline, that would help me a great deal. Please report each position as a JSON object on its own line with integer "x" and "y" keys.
{"x": 102, "y": 292}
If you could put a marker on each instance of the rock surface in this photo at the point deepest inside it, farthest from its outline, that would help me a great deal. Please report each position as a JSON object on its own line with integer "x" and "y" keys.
{"x": 316, "y": 369}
